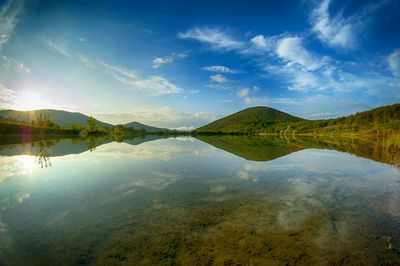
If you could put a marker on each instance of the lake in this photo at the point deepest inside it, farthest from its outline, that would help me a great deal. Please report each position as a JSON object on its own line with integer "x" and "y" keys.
{"x": 208, "y": 201}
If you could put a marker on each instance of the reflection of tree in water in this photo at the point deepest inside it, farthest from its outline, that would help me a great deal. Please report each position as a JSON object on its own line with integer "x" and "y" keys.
{"x": 91, "y": 143}
{"x": 42, "y": 156}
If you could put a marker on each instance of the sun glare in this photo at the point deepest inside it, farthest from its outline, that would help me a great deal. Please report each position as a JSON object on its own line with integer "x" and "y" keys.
{"x": 30, "y": 100}
{"x": 27, "y": 162}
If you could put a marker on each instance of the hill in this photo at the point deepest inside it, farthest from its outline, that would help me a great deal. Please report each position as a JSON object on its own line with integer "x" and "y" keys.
{"x": 382, "y": 120}
{"x": 61, "y": 118}
{"x": 150, "y": 129}
{"x": 67, "y": 119}
{"x": 250, "y": 119}
{"x": 263, "y": 120}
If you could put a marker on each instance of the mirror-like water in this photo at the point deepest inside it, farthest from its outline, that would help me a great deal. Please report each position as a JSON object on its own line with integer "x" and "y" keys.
{"x": 213, "y": 201}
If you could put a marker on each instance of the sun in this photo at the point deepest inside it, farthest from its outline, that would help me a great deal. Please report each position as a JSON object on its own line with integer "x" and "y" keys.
{"x": 27, "y": 162}
{"x": 31, "y": 100}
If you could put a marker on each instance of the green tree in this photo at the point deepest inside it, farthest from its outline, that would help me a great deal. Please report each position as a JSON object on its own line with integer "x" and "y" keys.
{"x": 91, "y": 124}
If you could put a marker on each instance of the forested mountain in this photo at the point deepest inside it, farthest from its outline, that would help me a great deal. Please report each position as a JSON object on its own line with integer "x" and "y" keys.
{"x": 59, "y": 117}
{"x": 250, "y": 119}
{"x": 259, "y": 120}
{"x": 138, "y": 126}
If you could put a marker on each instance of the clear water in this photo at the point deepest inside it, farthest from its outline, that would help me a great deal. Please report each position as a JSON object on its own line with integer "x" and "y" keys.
{"x": 220, "y": 201}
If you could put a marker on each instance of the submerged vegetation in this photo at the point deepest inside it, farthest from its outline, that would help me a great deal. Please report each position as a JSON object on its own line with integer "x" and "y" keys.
{"x": 204, "y": 209}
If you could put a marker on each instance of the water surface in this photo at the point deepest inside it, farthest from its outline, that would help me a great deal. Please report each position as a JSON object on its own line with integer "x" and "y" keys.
{"x": 184, "y": 201}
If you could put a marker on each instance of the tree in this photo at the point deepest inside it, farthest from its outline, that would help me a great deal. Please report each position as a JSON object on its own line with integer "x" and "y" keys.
{"x": 91, "y": 124}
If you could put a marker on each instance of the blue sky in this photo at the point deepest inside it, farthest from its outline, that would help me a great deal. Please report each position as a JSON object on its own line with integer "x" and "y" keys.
{"x": 182, "y": 64}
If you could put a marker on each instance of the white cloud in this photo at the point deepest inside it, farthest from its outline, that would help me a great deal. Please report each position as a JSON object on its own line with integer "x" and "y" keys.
{"x": 304, "y": 81}
{"x": 299, "y": 78}
{"x": 11, "y": 63}
{"x": 220, "y": 69}
{"x": 221, "y": 40}
{"x": 160, "y": 116}
{"x": 22, "y": 68}
{"x": 8, "y": 20}
{"x": 7, "y": 96}
{"x": 394, "y": 62}
{"x": 156, "y": 85}
{"x": 328, "y": 77}
{"x": 245, "y": 95}
{"x": 219, "y": 78}
{"x": 159, "y": 61}
{"x": 216, "y": 38}
{"x": 84, "y": 60}
{"x": 182, "y": 55}
{"x": 319, "y": 105}
{"x": 321, "y": 114}
{"x": 262, "y": 45}
{"x": 58, "y": 47}
{"x": 259, "y": 41}
{"x": 193, "y": 91}
{"x": 291, "y": 49}
{"x": 6, "y": 61}
{"x": 190, "y": 128}
{"x": 305, "y": 71}
{"x": 153, "y": 85}
{"x": 118, "y": 70}
{"x": 338, "y": 31}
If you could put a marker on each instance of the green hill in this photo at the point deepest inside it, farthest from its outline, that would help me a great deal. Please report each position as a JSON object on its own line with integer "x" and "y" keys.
{"x": 150, "y": 129}
{"x": 67, "y": 119}
{"x": 250, "y": 119}
{"x": 61, "y": 118}
{"x": 263, "y": 120}
{"x": 384, "y": 120}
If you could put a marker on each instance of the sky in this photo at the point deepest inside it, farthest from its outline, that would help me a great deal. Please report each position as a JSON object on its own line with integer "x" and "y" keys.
{"x": 182, "y": 64}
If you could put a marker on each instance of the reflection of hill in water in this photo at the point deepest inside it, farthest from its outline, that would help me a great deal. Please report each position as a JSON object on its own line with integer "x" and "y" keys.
{"x": 271, "y": 147}
{"x": 251, "y": 148}
{"x": 255, "y": 149}
{"x": 385, "y": 150}
{"x": 61, "y": 147}
{"x": 54, "y": 147}
{"x": 137, "y": 141}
